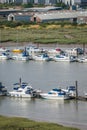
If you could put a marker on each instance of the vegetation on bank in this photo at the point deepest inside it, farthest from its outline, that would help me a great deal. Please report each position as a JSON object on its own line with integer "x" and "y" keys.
{"x": 29, "y": 5}
{"x": 16, "y": 123}
{"x": 60, "y": 33}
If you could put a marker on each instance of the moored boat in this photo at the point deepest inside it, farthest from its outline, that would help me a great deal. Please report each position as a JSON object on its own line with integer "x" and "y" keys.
{"x": 3, "y": 90}
{"x": 82, "y": 59}
{"x": 17, "y": 50}
{"x": 55, "y": 94}
{"x": 61, "y": 57}
{"x": 85, "y": 94}
{"x": 4, "y": 56}
{"x": 64, "y": 58}
{"x": 71, "y": 91}
{"x": 42, "y": 57}
{"x": 24, "y": 56}
{"x": 22, "y": 90}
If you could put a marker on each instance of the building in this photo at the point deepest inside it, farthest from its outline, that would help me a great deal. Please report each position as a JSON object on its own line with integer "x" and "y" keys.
{"x": 47, "y": 2}
{"x": 43, "y": 9}
{"x": 82, "y": 20}
{"x": 17, "y": 1}
{"x": 58, "y": 16}
{"x": 20, "y": 17}
{"x": 72, "y": 2}
{"x": 75, "y": 2}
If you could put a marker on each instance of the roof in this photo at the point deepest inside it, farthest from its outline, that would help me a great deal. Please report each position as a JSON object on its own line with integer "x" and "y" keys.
{"x": 39, "y": 9}
{"x": 21, "y": 14}
{"x": 61, "y": 15}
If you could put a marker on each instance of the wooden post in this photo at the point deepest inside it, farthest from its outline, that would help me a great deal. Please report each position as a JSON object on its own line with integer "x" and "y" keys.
{"x": 20, "y": 82}
{"x": 37, "y": 45}
{"x": 76, "y": 84}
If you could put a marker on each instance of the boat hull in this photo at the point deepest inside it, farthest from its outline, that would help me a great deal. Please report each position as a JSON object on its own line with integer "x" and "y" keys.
{"x": 53, "y": 97}
{"x": 20, "y": 95}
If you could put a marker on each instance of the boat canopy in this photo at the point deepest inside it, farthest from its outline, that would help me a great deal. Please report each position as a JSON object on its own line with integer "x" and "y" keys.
{"x": 71, "y": 88}
{"x": 57, "y": 89}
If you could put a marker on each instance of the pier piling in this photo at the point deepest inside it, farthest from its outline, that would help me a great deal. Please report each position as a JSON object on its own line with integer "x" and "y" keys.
{"x": 76, "y": 84}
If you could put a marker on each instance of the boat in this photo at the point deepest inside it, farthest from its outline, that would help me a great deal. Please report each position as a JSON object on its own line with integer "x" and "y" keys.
{"x": 4, "y": 56}
{"x": 71, "y": 91}
{"x": 3, "y": 90}
{"x": 75, "y": 51}
{"x": 64, "y": 57}
{"x": 85, "y": 95}
{"x": 61, "y": 57}
{"x": 17, "y": 50}
{"x": 42, "y": 57}
{"x": 23, "y": 90}
{"x": 82, "y": 59}
{"x": 32, "y": 50}
{"x": 24, "y": 56}
{"x": 2, "y": 49}
{"x": 54, "y": 94}
{"x": 54, "y": 51}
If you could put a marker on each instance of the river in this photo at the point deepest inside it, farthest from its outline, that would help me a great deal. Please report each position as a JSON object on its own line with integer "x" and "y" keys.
{"x": 45, "y": 75}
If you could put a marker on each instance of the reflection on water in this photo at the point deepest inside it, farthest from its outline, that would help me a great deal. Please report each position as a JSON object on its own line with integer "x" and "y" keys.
{"x": 59, "y": 111}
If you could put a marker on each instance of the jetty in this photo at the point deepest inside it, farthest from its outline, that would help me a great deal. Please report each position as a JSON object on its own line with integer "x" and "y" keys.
{"x": 77, "y": 97}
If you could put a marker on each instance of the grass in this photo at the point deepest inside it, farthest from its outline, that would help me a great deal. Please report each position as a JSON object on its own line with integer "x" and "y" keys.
{"x": 52, "y": 34}
{"x": 16, "y": 123}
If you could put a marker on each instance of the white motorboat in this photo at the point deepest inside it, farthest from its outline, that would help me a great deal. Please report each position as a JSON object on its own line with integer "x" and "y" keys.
{"x": 64, "y": 57}
{"x": 3, "y": 90}
{"x": 4, "y": 56}
{"x": 32, "y": 50}
{"x": 24, "y": 56}
{"x": 54, "y": 51}
{"x": 82, "y": 59}
{"x": 55, "y": 94}
{"x": 2, "y": 49}
{"x": 61, "y": 57}
{"x": 42, "y": 57}
{"x": 71, "y": 91}
{"x": 85, "y": 94}
{"x": 75, "y": 51}
{"x": 22, "y": 91}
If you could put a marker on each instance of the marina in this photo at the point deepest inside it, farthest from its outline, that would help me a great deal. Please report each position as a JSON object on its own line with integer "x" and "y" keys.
{"x": 43, "y": 54}
{"x": 45, "y": 76}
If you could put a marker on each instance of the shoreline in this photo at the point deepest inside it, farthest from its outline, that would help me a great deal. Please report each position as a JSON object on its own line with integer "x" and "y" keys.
{"x": 52, "y": 45}
{"x": 64, "y": 124}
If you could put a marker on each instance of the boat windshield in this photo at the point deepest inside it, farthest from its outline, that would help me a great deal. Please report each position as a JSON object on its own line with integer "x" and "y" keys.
{"x": 56, "y": 89}
{"x": 72, "y": 88}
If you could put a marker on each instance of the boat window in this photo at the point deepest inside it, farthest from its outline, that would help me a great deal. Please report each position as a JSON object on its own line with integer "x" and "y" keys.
{"x": 62, "y": 93}
{"x": 28, "y": 92}
{"x": 49, "y": 93}
{"x": 19, "y": 91}
{"x": 56, "y": 89}
{"x": 72, "y": 88}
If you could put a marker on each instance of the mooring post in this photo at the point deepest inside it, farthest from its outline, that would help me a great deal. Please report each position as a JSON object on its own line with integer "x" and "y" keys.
{"x": 20, "y": 82}
{"x": 76, "y": 84}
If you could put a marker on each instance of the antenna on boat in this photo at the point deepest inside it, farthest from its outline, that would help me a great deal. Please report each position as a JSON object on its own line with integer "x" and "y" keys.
{"x": 20, "y": 81}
